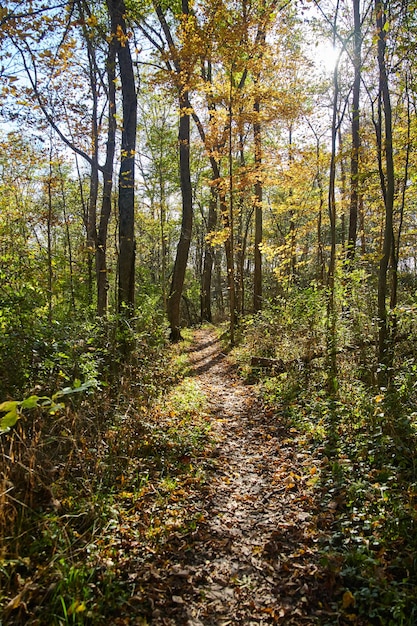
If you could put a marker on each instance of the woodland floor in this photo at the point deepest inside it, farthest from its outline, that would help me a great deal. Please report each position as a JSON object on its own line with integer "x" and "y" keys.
{"x": 253, "y": 557}
{"x": 219, "y": 517}
{"x": 205, "y": 506}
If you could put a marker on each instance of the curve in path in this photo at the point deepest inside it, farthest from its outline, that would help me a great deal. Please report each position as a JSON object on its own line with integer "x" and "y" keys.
{"x": 254, "y": 557}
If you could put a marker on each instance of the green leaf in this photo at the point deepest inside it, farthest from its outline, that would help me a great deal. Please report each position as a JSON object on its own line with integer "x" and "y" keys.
{"x": 56, "y": 407}
{"x": 67, "y": 391}
{"x": 62, "y": 392}
{"x": 30, "y": 403}
{"x": 34, "y": 401}
{"x": 10, "y": 418}
{"x": 45, "y": 401}
{"x": 9, "y": 405}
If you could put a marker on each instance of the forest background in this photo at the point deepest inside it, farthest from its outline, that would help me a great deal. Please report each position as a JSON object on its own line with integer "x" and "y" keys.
{"x": 248, "y": 163}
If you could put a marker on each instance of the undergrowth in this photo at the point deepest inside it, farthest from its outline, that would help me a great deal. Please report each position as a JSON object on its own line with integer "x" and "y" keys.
{"x": 93, "y": 493}
{"x": 364, "y": 442}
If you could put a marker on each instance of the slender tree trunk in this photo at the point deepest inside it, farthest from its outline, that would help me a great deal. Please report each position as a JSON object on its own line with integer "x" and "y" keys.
{"x": 244, "y": 245}
{"x": 320, "y": 254}
{"x": 292, "y": 268}
{"x": 343, "y": 190}
{"x": 320, "y": 272}
{"x": 94, "y": 181}
{"x": 162, "y": 229}
{"x": 91, "y": 213}
{"x": 356, "y": 140}
{"x": 183, "y": 247}
{"x": 206, "y": 313}
{"x": 68, "y": 238}
{"x": 331, "y": 305}
{"x": 49, "y": 240}
{"x": 397, "y": 239}
{"x": 257, "y": 274}
{"x": 91, "y": 227}
{"x": 218, "y": 282}
{"x": 225, "y": 210}
{"x": 164, "y": 251}
{"x": 228, "y": 217}
{"x": 101, "y": 248}
{"x": 126, "y": 262}
{"x": 385, "y": 348}
{"x": 240, "y": 253}
{"x": 361, "y": 215}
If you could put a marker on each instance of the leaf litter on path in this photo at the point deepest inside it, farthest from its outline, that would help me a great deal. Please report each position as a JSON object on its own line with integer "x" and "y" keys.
{"x": 253, "y": 556}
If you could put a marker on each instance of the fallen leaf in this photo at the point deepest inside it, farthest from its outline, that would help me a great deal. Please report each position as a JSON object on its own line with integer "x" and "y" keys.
{"x": 348, "y": 600}
{"x": 177, "y": 599}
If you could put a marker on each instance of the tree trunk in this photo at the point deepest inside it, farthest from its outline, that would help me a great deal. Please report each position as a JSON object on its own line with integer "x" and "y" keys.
{"x": 343, "y": 192}
{"x": 228, "y": 220}
{"x": 320, "y": 270}
{"x": 72, "y": 307}
{"x": 240, "y": 252}
{"x": 361, "y": 215}
{"x": 91, "y": 223}
{"x": 230, "y": 264}
{"x": 218, "y": 282}
{"x": 206, "y": 313}
{"x": 356, "y": 140}
{"x": 292, "y": 267}
{"x": 257, "y": 275}
{"x": 331, "y": 305}
{"x": 226, "y": 213}
{"x": 90, "y": 216}
{"x": 126, "y": 264}
{"x": 49, "y": 238}
{"x": 101, "y": 248}
{"x": 385, "y": 350}
{"x": 183, "y": 247}
{"x": 397, "y": 239}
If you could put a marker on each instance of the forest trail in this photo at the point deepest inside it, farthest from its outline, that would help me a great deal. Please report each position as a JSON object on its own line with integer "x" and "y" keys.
{"x": 253, "y": 558}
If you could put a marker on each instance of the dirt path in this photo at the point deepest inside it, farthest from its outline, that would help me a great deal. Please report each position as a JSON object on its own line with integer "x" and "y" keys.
{"x": 253, "y": 559}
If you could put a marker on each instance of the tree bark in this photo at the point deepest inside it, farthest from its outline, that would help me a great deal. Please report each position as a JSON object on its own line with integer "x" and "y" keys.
{"x": 356, "y": 140}
{"x": 101, "y": 248}
{"x": 240, "y": 252}
{"x": 126, "y": 262}
{"x": 228, "y": 220}
{"x": 331, "y": 305}
{"x": 49, "y": 237}
{"x": 257, "y": 275}
{"x": 91, "y": 225}
{"x": 385, "y": 348}
{"x": 206, "y": 312}
{"x": 183, "y": 247}
{"x": 72, "y": 307}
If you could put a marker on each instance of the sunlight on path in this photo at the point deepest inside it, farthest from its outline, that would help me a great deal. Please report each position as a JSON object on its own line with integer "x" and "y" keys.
{"x": 253, "y": 559}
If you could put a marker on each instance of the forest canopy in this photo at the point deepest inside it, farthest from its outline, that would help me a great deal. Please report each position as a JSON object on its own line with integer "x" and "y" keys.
{"x": 225, "y": 152}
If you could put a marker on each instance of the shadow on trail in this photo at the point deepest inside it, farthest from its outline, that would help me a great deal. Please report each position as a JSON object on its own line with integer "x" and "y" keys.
{"x": 205, "y": 359}
{"x": 202, "y": 346}
{"x": 205, "y": 366}
{"x": 249, "y": 553}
